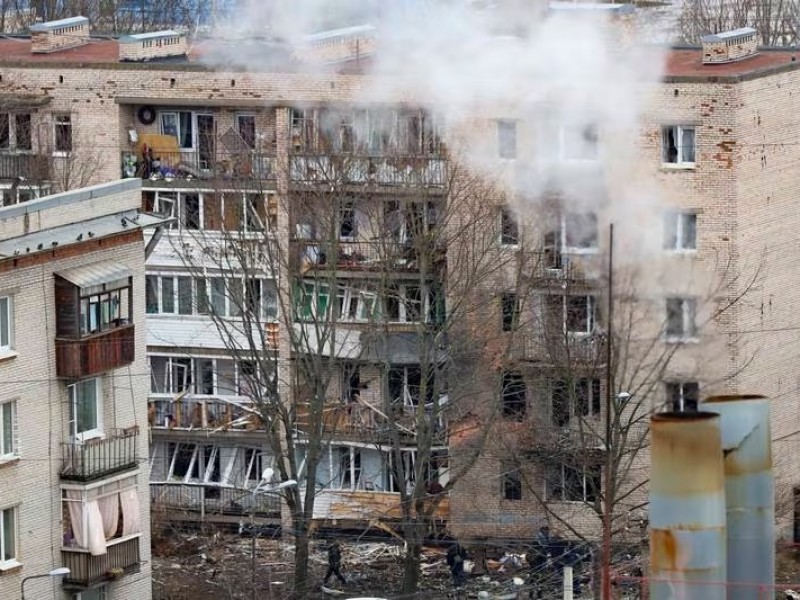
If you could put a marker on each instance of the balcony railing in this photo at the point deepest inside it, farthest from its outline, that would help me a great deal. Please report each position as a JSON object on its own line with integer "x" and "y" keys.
{"x": 100, "y": 457}
{"x": 558, "y": 266}
{"x": 93, "y": 354}
{"x": 362, "y": 422}
{"x": 209, "y": 502}
{"x": 33, "y": 167}
{"x": 121, "y": 557}
{"x": 191, "y": 412}
{"x": 401, "y": 171}
{"x": 558, "y": 347}
{"x": 362, "y": 256}
{"x": 200, "y": 165}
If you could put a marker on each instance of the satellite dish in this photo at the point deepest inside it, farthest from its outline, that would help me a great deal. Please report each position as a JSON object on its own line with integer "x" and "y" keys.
{"x": 266, "y": 474}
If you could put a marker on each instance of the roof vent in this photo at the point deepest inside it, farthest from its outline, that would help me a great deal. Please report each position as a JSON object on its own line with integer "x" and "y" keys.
{"x": 729, "y": 46}
{"x": 59, "y": 35}
{"x": 142, "y": 47}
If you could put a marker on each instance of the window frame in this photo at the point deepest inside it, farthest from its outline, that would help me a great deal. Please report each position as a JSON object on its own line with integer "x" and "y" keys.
{"x": 73, "y": 399}
{"x": 590, "y": 316}
{"x": 513, "y": 396}
{"x": 507, "y": 139}
{"x": 63, "y": 134}
{"x": 677, "y": 390}
{"x": 560, "y": 493}
{"x": 6, "y": 324}
{"x": 666, "y": 149}
{"x": 240, "y": 119}
{"x": 676, "y": 225}
{"x": 9, "y": 558}
{"x": 510, "y": 309}
{"x": 509, "y": 228}
{"x": 566, "y": 247}
{"x": 9, "y": 428}
{"x": 688, "y": 311}
{"x": 511, "y": 486}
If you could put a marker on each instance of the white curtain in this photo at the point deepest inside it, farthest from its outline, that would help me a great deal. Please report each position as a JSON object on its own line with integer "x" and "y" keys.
{"x": 129, "y": 499}
{"x": 109, "y": 511}
{"x": 87, "y": 524}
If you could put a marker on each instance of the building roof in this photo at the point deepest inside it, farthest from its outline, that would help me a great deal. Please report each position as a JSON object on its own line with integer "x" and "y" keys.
{"x": 69, "y": 21}
{"x": 728, "y": 35}
{"x": 74, "y": 233}
{"x": 682, "y": 63}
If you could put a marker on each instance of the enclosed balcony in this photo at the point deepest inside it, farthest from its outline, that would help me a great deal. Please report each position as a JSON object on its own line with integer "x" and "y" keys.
{"x": 32, "y": 167}
{"x": 92, "y": 459}
{"x": 86, "y": 570}
{"x": 94, "y": 314}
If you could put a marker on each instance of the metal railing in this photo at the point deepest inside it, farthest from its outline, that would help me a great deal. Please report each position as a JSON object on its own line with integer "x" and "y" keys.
{"x": 92, "y": 459}
{"x": 209, "y": 501}
{"x": 85, "y": 569}
{"x": 200, "y": 165}
{"x": 357, "y": 255}
{"x": 413, "y": 171}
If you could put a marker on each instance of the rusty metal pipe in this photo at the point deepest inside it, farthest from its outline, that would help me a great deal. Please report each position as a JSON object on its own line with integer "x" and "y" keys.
{"x": 687, "y": 507}
{"x": 749, "y": 492}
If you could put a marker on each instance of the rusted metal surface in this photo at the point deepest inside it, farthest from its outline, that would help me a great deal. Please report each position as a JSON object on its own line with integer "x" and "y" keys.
{"x": 687, "y": 507}
{"x": 749, "y": 491}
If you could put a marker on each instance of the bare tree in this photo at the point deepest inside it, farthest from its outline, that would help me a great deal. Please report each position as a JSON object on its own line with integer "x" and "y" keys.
{"x": 774, "y": 20}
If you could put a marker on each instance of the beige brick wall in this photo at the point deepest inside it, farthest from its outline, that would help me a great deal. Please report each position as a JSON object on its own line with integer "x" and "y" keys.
{"x": 33, "y": 483}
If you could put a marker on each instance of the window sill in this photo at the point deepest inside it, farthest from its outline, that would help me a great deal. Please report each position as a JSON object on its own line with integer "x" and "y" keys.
{"x": 9, "y": 567}
{"x": 689, "y": 252}
{"x": 8, "y": 355}
{"x": 678, "y": 166}
{"x": 681, "y": 340}
{"x": 8, "y": 461}
{"x": 62, "y": 154}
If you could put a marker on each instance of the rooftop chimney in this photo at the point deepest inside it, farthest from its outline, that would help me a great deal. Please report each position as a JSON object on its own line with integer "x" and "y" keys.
{"x": 729, "y": 46}
{"x": 142, "y": 47}
{"x": 59, "y": 35}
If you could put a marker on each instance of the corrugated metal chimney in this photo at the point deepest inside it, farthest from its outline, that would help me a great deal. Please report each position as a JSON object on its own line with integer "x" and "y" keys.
{"x": 687, "y": 507}
{"x": 749, "y": 491}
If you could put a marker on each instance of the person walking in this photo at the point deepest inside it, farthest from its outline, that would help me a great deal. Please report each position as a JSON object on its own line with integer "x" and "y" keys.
{"x": 334, "y": 563}
{"x": 456, "y": 555}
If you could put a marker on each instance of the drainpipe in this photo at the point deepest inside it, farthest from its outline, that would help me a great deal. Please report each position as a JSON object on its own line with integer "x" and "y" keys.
{"x": 687, "y": 507}
{"x": 749, "y": 492}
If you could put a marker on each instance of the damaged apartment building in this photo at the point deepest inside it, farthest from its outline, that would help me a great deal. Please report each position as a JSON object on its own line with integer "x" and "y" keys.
{"x": 289, "y": 201}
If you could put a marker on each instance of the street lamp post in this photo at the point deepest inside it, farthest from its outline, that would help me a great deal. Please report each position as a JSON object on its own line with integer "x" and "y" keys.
{"x": 263, "y": 487}
{"x": 58, "y": 572}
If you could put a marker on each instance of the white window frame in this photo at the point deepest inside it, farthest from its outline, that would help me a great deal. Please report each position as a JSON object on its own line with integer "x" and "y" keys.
{"x": 680, "y": 388}
{"x": 13, "y": 560}
{"x": 65, "y": 120}
{"x": 566, "y": 248}
{"x": 8, "y": 425}
{"x": 175, "y": 114}
{"x": 6, "y": 324}
{"x": 681, "y": 152}
{"x": 688, "y": 308}
{"x": 591, "y": 316}
{"x": 98, "y": 593}
{"x": 72, "y": 390}
{"x": 13, "y": 134}
{"x": 679, "y": 219}
{"x": 402, "y": 299}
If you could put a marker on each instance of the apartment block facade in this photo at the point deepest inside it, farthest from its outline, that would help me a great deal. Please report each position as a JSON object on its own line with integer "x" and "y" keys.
{"x": 247, "y": 158}
{"x": 73, "y": 478}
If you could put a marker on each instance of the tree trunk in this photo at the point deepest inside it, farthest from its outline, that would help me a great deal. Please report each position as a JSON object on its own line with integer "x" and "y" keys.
{"x": 300, "y": 558}
{"x": 414, "y": 536}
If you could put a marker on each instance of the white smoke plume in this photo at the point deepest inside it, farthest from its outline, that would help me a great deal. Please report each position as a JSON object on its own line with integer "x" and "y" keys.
{"x": 564, "y": 77}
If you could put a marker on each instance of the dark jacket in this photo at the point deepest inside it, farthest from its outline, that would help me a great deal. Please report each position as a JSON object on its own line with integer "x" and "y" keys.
{"x": 456, "y": 555}
{"x": 334, "y": 555}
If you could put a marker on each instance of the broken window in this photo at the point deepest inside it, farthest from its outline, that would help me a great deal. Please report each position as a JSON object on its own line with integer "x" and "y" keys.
{"x": 404, "y": 385}
{"x": 513, "y": 395}
{"x": 349, "y": 468}
{"x": 507, "y": 138}
{"x": 347, "y": 221}
{"x": 22, "y": 132}
{"x": 304, "y": 129}
{"x": 569, "y": 482}
{"x": 246, "y": 126}
{"x": 682, "y": 396}
{"x": 351, "y": 382}
{"x": 510, "y": 311}
{"x": 512, "y": 481}
{"x": 680, "y": 322}
{"x": 580, "y": 231}
{"x": 574, "y": 399}
{"x": 680, "y": 231}
{"x": 678, "y": 145}
{"x": 587, "y": 397}
{"x": 579, "y": 316}
{"x": 509, "y": 227}
{"x": 63, "y": 133}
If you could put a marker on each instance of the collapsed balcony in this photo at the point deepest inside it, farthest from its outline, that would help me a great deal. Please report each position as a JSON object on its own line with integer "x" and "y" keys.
{"x": 194, "y": 413}
{"x": 212, "y": 503}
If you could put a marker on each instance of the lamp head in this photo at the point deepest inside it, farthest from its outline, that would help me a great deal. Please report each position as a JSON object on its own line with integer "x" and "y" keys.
{"x": 59, "y": 571}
